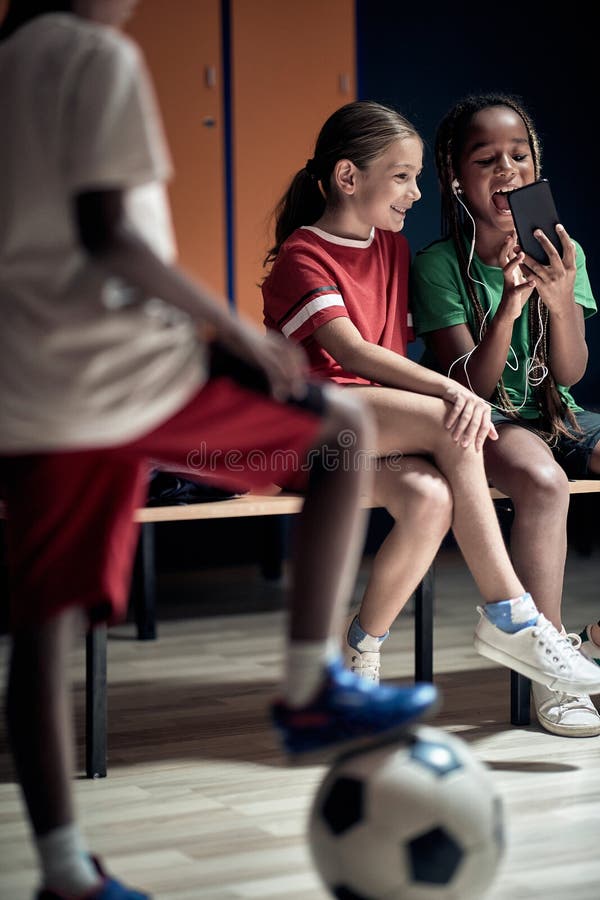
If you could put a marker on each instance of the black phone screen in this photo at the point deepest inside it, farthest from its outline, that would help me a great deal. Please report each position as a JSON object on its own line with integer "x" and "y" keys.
{"x": 533, "y": 207}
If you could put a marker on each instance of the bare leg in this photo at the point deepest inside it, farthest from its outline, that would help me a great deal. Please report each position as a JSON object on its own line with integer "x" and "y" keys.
{"x": 414, "y": 424}
{"x": 329, "y": 543}
{"x": 521, "y": 465}
{"x": 331, "y": 532}
{"x": 39, "y": 714}
{"x": 419, "y": 499}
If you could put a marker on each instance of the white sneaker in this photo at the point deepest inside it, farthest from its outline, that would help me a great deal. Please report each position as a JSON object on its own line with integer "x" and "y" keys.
{"x": 588, "y": 647}
{"x": 567, "y": 714}
{"x": 541, "y": 653}
{"x": 364, "y": 663}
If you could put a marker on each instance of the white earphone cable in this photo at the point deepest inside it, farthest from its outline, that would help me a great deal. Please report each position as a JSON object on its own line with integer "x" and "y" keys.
{"x": 530, "y": 364}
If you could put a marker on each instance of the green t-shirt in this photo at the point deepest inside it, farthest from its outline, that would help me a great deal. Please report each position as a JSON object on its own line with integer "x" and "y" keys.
{"x": 439, "y": 299}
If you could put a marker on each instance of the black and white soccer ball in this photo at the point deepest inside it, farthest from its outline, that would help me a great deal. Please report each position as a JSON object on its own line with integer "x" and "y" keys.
{"x": 418, "y": 819}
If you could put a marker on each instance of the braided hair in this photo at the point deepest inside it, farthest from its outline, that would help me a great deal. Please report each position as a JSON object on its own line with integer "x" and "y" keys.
{"x": 360, "y": 131}
{"x": 554, "y": 414}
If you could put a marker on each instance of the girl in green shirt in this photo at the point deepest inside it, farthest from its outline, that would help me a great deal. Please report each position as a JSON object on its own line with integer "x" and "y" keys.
{"x": 512, "y": 330}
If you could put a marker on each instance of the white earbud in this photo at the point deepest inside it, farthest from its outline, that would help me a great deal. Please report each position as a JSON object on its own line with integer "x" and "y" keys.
{"x": 456, "y": 187}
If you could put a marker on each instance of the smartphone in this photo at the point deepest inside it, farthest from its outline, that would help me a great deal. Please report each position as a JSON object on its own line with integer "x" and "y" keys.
{"x": 532, "y": 207}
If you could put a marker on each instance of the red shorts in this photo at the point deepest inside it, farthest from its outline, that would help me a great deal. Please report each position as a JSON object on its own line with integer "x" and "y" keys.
{"x": 70, "y": 531}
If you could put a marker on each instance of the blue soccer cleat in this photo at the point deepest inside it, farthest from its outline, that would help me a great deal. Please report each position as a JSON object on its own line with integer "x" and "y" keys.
{"x": 108, "y": 890}
{"x": 349, "y": 710}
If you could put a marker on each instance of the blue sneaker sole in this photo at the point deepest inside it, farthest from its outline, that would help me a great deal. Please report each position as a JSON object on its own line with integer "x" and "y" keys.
{"x": 313, "y": 748}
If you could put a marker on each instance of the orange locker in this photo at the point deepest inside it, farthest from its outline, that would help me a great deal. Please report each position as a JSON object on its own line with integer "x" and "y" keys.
{"x": 181, "y": 41}
{"x": 292, "y": 65}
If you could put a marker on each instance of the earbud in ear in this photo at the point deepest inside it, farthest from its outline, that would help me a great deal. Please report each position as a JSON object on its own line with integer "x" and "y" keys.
{"x": 456, "y": 186}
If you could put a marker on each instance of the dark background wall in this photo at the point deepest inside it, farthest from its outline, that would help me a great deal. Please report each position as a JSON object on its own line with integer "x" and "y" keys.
{"x": 421, "y": 58}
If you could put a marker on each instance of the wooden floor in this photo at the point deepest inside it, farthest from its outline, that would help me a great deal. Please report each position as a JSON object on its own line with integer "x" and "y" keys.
{"x": 199, "y": 803}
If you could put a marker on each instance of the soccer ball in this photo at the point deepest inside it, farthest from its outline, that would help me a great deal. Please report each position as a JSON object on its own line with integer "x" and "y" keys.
{"x": 418, "y": 819}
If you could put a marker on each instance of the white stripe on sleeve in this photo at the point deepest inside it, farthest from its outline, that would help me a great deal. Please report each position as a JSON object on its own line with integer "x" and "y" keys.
{"x": 314, "y": 306}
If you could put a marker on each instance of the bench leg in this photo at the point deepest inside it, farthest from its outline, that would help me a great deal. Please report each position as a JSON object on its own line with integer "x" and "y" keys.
{"x": 95, "y": 702}
{"x": 144, "y": 584}
{"x": 272, "y": 550}
{"x": 424, "y": 628}
{"x": 519, "y": 699}
{"x": 519, "y": 684}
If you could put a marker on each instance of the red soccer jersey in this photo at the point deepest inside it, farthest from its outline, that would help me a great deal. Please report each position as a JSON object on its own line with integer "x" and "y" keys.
{"x": 318, "y": 277}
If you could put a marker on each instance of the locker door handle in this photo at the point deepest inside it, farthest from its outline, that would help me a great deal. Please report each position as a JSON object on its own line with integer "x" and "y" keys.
{"x": 210, "y": 76}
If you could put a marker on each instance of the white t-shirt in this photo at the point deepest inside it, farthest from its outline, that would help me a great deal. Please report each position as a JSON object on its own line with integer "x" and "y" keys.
{"x": 84, "y": 360}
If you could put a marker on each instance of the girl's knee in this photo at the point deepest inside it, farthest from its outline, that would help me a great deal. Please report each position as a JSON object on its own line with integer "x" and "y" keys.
{"x": 435, "y": 499}
{"x": 540, "y": 491}
{"x": 423, "y": 494}
{"x": 545, "y": 482}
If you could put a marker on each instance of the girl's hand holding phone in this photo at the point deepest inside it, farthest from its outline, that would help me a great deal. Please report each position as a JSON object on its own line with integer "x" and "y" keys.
{"x": 556, "y": 281}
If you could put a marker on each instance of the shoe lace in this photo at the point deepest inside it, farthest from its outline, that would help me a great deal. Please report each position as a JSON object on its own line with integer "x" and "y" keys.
{"x": 366, "y": 661}
{"x": 574, "y": 639}
{"x": 558, "y": 645}
{"x": 573, "y": 701}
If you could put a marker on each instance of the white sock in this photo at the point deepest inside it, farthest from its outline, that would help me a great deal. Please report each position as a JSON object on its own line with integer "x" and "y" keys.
{"x": 66, "y": 864}
{"x": 305, "y": 666}
{"x": 362, "y": 641}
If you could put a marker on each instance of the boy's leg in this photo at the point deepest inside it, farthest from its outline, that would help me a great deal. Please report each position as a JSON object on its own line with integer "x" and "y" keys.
{"x": 331, "y": 532}
{"x": 40, "y": 726}
{"x": 323, "y": 704}
{"x": 327, "y": 545}
{"x": 39, "y": 715}
{"x": 69, "y": 544}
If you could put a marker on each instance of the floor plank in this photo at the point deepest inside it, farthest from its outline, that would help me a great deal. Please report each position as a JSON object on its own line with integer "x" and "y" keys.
{"x": 200, "y": 804}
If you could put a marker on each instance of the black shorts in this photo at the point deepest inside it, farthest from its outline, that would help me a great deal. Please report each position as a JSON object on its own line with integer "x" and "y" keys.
{"x": 571, "y": 453}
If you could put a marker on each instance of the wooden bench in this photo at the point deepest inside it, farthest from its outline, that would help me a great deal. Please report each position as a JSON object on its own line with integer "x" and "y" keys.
{"x": 235, "y": 508}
